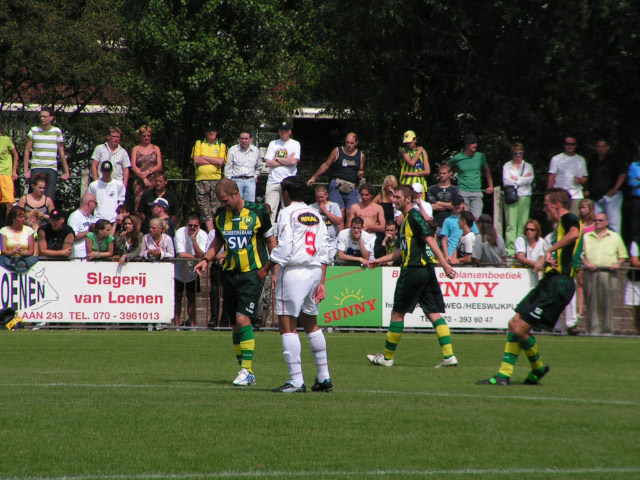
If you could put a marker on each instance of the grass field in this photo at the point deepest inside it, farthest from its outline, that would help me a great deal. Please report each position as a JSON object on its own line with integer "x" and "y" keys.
{"x": 152, "y": 405}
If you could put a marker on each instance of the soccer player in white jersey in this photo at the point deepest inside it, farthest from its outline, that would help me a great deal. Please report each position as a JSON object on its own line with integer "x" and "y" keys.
{"x": 302, "y": 255}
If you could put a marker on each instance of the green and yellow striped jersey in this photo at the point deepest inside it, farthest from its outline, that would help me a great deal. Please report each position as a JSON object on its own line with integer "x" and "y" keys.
{"x": 415, "y": 251}
{"x": 418, "y": 167}
{"x": 243, "y": 236}
{"x": 569, "y": 258}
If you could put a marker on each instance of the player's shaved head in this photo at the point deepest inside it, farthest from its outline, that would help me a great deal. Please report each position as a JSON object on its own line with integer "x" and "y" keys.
{"x": 227, "y": 186}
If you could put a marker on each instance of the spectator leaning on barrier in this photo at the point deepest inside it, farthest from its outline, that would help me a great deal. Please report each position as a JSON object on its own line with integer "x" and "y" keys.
{"x": 518, "y": 174}
{"x": 387, "y": 244}
{"x": 451, "y": 231}
{"x": 633, "y": 178}
{"x": 145, "y": 207}
{"x": 488, "y": 246}
{"x": 529, "y": 248}
{"x": 9, "y": 159}
{"x": 467, "y": 240}
{"x": 209, "y": 156}
{"x": 55, "y": 239}
{"x": 607, "y": 173}
{"x": 44, "y": 145}
{"x": 156, "y": 244}
{"x": 568, "y": 170}
{"x": 603, "y": 248}
{"x": 17, "y": 238}
{"x": 110, "y": 193}
{"x": 99, "y": 241}
{"x": 440, "y": 195}
{"x": 244, "y": 165}
{"x": 80, "y": 221}
{"x": 470, "y": 165}
{"x": 128, "y": 241}
{"x": 414, "y": 161}
{"x": 282, "y": 158}
{"x": 354, "y": 245}
{"x": 111, "y": 152}
{"x": 190, "y": 243}
{"x": 346, "y": 169}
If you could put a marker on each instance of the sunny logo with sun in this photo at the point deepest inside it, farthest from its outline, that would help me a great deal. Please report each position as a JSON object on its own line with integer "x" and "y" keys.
{"x": 355, "y": 305}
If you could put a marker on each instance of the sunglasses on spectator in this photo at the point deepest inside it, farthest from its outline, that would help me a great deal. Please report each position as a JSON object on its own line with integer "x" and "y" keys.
{"x": 570, "y": 143}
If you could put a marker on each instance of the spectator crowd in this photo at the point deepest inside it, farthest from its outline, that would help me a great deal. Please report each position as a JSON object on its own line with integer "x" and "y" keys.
{"x": 129, "y": 213}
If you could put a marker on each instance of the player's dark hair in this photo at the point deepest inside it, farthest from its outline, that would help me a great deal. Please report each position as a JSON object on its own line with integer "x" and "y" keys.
{"x": 406, "y": 190}
{"x": 296, "y": 187}
{"x": 559, "y": 195}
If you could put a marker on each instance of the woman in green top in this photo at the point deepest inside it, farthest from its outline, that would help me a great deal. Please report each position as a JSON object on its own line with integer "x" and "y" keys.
{"x": 99, "y": 241}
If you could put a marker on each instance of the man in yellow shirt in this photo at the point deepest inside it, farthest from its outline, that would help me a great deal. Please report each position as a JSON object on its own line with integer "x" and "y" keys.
{"x": 604, "y": 253}
{"x": 209, "y": 156}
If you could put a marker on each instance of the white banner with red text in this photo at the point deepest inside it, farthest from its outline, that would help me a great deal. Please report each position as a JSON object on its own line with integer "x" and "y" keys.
{"x": 476, "y": 298}
{"x": 90, "y": 292}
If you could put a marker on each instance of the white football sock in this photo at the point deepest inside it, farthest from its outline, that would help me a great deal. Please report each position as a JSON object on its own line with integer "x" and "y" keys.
{"x": 318, "y": 345}
{"x": 291, "y": 350}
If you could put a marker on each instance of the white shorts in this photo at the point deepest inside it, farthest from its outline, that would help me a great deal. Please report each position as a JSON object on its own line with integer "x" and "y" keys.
{"x": 295, "y": 286}
{"x": 632, "y": 293}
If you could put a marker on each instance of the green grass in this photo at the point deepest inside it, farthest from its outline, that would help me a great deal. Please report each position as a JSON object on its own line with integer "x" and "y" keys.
{"x": 152, "y": 405}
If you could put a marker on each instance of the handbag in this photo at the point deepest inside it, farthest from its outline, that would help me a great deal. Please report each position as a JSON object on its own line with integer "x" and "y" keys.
{"x": 510, "y": 192}
{"x": 344, "y": 186}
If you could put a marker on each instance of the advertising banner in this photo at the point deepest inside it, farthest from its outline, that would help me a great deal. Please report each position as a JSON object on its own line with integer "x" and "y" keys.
{"x": 476, "y": 298}
{"x": 90, "y": 292}
{"x": 354, "y": 298}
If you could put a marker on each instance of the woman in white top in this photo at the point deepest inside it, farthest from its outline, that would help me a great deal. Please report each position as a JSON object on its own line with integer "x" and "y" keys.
{"x": 517, "y": 173}
{"x": 530, "y": 247}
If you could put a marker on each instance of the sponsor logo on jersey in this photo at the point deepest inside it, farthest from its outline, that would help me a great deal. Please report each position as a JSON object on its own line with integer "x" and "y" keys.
{"x": 238, "y": 239}
{"x": 308, "y": 218}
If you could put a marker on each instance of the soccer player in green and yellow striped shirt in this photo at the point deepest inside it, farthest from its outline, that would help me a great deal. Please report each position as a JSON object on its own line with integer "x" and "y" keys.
{"x": 542, "y": 306}
{"x": 417, "y": 283}
{"x": 244, "y": 229}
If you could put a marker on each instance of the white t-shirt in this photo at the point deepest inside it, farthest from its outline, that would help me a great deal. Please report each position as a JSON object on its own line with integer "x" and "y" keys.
{"x": 350, "y": 246}
{"x": 280, "y": 149}
{"x": 522, "y": 246}
{"x": 80, "y": 223}
{"x": 566, "y": 168}
{"x": 427, "y": 207}
{"x": 184, "y": 244}
{"x": 108, "y": 195}
{"x": 525, "y": 177}
{"x": 302, "y": 237}
{"x": 465, "y": 247}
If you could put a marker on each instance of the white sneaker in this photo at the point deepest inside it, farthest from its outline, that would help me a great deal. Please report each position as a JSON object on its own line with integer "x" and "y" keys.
{"x": 244, "y": 378}
{"x": 448, "y": 362}
{"x": 378, "y": 359}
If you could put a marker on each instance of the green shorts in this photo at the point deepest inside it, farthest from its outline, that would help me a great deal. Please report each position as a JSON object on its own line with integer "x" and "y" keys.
{"x": 240, "y": 293}
{"x": 543, "y": 304}
{"x": 418, "y": 285}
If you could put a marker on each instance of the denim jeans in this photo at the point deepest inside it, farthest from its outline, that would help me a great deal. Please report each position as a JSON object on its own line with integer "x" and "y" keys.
{"x": 247, "y": 188}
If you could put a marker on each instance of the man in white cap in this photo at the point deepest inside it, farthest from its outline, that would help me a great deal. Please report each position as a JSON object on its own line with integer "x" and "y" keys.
{"x": 160, "y": 209}
{"x": 415, "y": 162}
{"x": 419, "y": 204}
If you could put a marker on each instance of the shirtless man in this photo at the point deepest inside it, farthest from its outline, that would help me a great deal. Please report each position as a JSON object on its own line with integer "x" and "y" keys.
{"x": 370, "y": 212}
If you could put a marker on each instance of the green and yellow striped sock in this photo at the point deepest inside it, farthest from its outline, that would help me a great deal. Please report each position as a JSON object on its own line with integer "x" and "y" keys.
{"x": 510, "y": 356}
{"x": 247, "y": 346}
{"x": 393, "y": 337}
{"x": 235, "y": 338}
{"x": 530, "y": 347}
{"x": 444, "y": 337}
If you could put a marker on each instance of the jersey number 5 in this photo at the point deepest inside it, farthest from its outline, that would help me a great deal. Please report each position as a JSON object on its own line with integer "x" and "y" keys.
{"x": 310, "y": 243}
